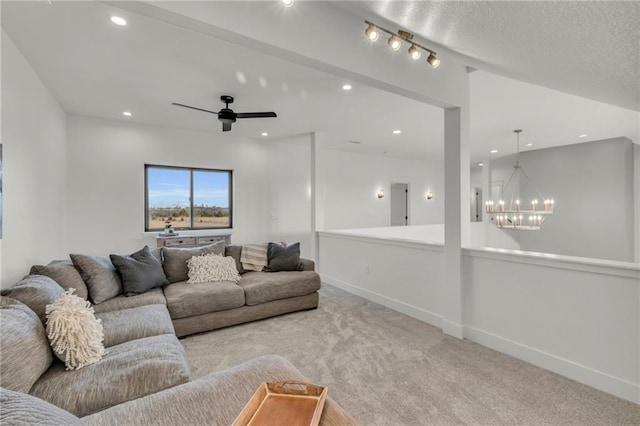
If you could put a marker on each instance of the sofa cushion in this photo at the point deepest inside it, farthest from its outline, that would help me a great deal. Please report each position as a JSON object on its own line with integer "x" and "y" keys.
{"x": 24, "y": 349}
{"x": 135, "y": 323}
{"x": 139, "y": 272}
{"x": 283, "y": 258}
{"x": 22, "y": 409}
{"x": 185, "y": 300}
{"x": 130, "y": 370}
{"x": 175, "y": 259}
{"x": 215, "y": 399}
{"x": 35, "y": 291}
{"x": 100, "y": 276}
{"x": 152, "y": 297}
{"x": 65, "y": 274}
{"x": 235, "y": 252}
{"x": 260, "y": 287}
{"x": 74, "y": 332}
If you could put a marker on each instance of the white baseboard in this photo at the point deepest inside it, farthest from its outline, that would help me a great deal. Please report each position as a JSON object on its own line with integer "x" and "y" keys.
{"x": 452, "y": 328}
{"x": 402, "y": 307}
{"x": 580, "y": 373}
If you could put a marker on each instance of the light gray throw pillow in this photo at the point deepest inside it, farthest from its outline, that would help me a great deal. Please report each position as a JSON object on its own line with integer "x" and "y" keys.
{"x": 140, "y": 271}
{"x": 64, "y": 273}
{"x": 100, "y": 276}
{"x": 35, "y": 291}
{"x": 175, "y": 259}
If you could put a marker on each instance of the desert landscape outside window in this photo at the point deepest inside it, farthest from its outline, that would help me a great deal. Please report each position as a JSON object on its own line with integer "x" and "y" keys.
{"x": 187, "y": 198}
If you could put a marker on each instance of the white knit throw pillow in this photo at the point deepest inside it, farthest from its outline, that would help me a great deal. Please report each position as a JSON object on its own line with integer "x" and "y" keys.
{"x": 212, "y": 267}
{"x": 74, "y": 333}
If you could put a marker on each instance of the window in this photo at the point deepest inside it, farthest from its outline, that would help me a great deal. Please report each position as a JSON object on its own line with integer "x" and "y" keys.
{"x": 186, "y": 197}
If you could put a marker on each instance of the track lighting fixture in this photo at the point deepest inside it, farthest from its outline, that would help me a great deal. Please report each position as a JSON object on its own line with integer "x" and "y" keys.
{"x": 433, "y": 60}
{"x": 395, "y": 41}
{"x": 372, "y": 33}
{"x": 414, "y": 53}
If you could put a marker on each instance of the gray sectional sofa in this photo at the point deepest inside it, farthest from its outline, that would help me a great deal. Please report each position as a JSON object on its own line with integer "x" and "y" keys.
{"x": 144, "y": 376}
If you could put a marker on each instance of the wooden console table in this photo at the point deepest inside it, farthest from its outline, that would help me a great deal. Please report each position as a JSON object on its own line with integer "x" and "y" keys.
{"x": 191, "y": 240}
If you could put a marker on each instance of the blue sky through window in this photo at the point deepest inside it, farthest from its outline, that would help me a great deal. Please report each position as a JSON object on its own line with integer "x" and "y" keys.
{"x": 170, "y": 188}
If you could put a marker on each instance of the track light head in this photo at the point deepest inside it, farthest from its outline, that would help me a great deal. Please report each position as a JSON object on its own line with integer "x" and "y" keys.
{"x": 433, "y": 60}
{"x": 414, "y": 53}
{"x": 394, "y": 42}
{"x": 372, "y": 33}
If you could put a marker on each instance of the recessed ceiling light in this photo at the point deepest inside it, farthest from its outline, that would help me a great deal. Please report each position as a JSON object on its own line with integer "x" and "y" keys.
{"x": 480, "y": 164}
{"x": 287, "y": 3}
{"x": 118, "y": 21}
{"x": 529, "y": 144}
{"x": 346, "y": 87}
{"x": 397, "y": 132}
{"x": 493, "y": 151}
{"x": 265, "y": 134}
{"x": 127, "y": 114}
{"x": 355, "y": 142}
{"x": 584, "y": 135}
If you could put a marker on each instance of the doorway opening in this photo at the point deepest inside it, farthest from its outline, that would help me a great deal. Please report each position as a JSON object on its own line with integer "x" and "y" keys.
{"x": 399, "y": 204}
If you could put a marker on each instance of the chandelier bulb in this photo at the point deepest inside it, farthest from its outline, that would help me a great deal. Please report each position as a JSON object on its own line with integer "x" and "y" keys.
{"x": 414, "y": 53}
{"x": 372, "y": 33}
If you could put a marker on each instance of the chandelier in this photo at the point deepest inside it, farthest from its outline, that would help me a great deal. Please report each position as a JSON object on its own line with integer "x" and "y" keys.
{"x": 515, "y": 215}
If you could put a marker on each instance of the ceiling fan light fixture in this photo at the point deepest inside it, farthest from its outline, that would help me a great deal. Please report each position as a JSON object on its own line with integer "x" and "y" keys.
{"x": 394, "y": 42}
{"x": 433, "y": 60}
{"x": 372, "y": 33}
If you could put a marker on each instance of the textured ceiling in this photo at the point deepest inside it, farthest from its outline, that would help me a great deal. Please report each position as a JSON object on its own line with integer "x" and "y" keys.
{"x": 587, "y": 48}
{"x": 94, "y": 68}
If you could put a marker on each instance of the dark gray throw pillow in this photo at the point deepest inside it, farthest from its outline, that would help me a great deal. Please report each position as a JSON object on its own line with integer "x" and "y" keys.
{"x": 140, "y": 271}
{"x": 283, "y": 258}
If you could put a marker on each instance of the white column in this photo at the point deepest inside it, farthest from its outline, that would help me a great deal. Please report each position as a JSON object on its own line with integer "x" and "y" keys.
{"x": 317, "y": 193}
{"x": 456, "y": 190}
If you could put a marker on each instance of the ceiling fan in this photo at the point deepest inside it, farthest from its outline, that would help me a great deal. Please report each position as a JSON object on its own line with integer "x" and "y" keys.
{"x": 226, "y": 115}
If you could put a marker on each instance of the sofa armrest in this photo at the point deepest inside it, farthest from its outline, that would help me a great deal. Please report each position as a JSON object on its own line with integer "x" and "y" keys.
{"x": 307, "y": 264}
{"x": 215, "y": 399}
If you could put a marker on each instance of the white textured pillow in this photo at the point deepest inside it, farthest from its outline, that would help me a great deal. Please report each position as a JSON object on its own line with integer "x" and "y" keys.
{"x": 74, "y": 333}
{"x": 212, "y": 267}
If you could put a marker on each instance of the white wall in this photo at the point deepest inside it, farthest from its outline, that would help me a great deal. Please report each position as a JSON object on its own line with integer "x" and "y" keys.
{"x": 106, "y": 182}
{"x": 593, "y": 188}
{"x": 34, "y": 162}
{"x": 350, "y": 182}
{"x": 578, "y": 317}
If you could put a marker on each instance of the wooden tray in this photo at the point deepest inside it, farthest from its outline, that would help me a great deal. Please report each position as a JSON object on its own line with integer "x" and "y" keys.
{"x": 289, "y": 403}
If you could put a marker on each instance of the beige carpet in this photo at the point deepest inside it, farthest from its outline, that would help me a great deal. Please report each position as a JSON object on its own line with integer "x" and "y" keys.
{"x": 389, "y": 369}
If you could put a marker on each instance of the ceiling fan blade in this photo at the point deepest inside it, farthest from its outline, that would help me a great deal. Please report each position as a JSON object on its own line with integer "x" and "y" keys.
{"x": 255, "y": 114}
{"x": 191, "y": 107}
{"x": 226, "y": 127}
